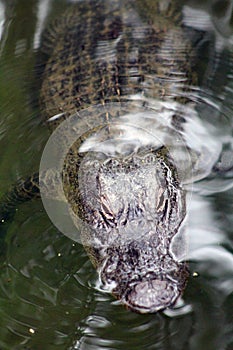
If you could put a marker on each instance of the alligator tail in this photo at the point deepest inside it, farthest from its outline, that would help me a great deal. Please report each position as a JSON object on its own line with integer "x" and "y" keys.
{"x": 22, "y": 191}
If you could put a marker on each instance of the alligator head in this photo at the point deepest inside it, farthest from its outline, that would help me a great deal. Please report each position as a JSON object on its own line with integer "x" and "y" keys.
{"x": 134, "y": 207}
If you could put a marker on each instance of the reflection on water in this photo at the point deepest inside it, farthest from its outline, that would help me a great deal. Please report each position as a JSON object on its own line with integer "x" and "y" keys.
{"x": 42, "y": 13}
{"x": 49, "y": 292}
{"x": 2, "y": 18}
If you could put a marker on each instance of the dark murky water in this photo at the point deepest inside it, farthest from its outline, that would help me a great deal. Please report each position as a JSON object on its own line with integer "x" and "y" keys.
{"x": 48, "y": 294}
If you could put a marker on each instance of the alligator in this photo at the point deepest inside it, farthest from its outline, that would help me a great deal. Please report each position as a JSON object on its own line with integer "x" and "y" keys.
{"x": 99, "y": 52}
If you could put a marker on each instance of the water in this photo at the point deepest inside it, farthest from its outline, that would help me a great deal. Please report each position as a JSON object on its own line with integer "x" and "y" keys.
{"x": 49, "y": 295}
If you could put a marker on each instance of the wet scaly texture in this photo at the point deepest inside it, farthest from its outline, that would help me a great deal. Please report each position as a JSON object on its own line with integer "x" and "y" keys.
{"x": 133, "y": 205}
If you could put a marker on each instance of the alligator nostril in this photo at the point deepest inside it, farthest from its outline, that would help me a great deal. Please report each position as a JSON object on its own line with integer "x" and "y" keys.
{"x": 133, "y": 253}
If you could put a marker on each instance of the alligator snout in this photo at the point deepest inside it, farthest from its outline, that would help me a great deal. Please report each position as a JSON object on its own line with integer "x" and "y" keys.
{"x": 151, "y": 296}
{"x": 141, "y": 277}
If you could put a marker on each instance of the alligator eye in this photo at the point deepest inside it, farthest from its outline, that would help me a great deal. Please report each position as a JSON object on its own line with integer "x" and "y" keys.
{"x": 106, "y": 209}
{"x": 161, "y": 201}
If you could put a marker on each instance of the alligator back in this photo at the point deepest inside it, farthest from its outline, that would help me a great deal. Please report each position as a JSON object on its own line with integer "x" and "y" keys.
{"x": 107, "y": 50}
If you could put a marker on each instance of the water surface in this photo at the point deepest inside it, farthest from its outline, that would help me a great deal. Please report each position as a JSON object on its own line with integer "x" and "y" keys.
{"x": 49, "y": 296}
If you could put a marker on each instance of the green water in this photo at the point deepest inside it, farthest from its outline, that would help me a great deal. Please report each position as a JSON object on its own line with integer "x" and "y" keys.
{"x": 48, "y": 288}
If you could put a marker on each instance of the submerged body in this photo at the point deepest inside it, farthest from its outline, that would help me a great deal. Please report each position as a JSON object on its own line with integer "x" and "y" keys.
{"x": 133, "y": 204}
{"x": 107, "y": 51}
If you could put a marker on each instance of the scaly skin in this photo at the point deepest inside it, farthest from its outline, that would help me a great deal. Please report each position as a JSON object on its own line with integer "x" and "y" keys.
{"x": 119, "y": 53}
{"x": 107, "y": 51}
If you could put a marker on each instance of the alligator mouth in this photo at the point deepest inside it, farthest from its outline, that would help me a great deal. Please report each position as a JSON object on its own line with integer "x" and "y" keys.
{"x": 151, "y": 296}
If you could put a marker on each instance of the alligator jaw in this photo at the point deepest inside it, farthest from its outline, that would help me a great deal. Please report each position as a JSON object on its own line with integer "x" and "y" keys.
{"x": 143, "y": 284}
